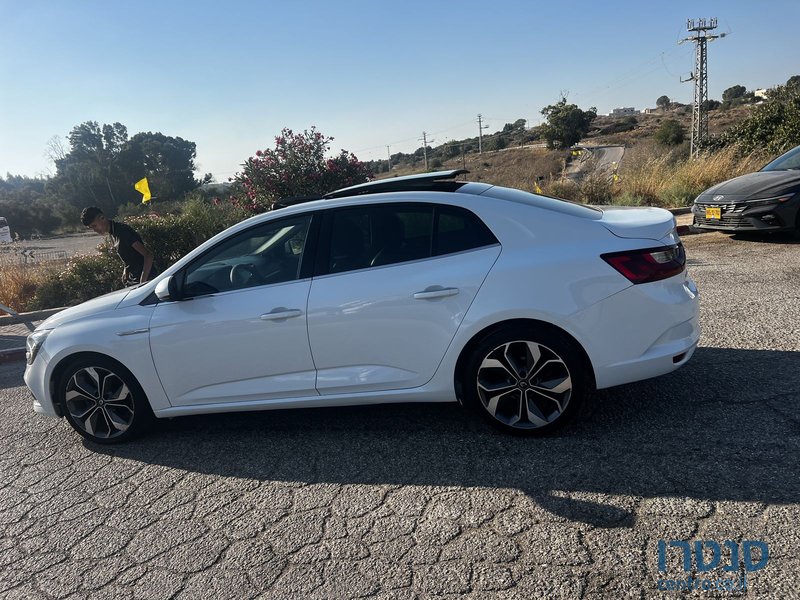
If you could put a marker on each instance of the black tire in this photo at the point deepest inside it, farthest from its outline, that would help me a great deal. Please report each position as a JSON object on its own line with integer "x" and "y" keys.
{"x": 102, "y": 400}
{"x": 553, "y": 384}
{"x": 796, "y": 233}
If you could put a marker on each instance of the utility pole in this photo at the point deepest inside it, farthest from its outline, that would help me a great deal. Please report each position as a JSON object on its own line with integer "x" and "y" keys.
{"x": 389, "y": 157}
{"x": 481, "y": 127}
{"x": 425, "y": 142}
{"x": 699, "y": 35}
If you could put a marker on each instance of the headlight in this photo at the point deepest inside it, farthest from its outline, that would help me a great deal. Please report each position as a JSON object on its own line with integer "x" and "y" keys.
{"x": 775, "y": 200}
{"x": 34, "y": 342}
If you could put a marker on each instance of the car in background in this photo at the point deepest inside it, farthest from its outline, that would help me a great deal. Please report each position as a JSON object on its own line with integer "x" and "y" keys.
{"x": 423, "y": 288}
{"x": 768, "y": 200}
{"x": 5, "y": 232}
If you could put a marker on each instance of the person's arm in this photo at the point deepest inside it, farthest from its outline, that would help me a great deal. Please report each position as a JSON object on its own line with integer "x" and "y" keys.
{"x": 148, "y": 260}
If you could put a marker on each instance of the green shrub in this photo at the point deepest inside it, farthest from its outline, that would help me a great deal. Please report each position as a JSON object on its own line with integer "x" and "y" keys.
{"x": 670, "y": 133}
{"x": 83, "y": 278}
{"x": 169, "y": 237}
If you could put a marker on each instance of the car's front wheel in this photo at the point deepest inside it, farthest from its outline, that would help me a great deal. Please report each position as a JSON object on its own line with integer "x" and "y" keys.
{"x": 526, "y": 380}
{"x": 103, "y": 401}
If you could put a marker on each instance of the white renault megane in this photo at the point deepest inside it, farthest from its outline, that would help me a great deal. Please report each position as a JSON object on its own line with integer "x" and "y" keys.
{"x": 412, "y": 289}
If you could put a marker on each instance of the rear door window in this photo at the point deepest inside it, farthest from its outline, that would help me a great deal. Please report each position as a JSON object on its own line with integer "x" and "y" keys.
{"x": 386, "y": 234}
{"x": 379, "y": 235}
{"x": 458, "y": 229}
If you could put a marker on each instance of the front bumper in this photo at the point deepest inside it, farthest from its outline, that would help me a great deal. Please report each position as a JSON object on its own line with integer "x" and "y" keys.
{"x": 744, "y": 217}
{"x": 37, "y": 377}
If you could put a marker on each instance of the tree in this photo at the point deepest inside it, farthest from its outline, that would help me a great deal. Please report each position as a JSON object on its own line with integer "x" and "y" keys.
{"x": 102, "y": 165}
{"x": 663, "y": 102}
{"x": 733, "y": 92}
{"x": 566, "y": 123}
{"x": 773, "y": 126}
{"x": 793, "y": 82}
{"x": 670, "y": 133}
{"x": 167, "y": 162}
{"x": 710, "y": 105}
{"x": 298, "y": 166}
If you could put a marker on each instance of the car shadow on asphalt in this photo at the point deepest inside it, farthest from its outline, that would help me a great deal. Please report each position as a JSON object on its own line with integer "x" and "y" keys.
{"x": 726, "y": 427}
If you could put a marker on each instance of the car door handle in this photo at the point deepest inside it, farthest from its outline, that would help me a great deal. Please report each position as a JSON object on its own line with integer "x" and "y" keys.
{"x": 281, "y": 313}
{"x": 435, "y": 291}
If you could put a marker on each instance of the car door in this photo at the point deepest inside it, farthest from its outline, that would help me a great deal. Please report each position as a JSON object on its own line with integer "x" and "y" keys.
{"x": 393, "y": 283}
{"x": 239, "y": 332}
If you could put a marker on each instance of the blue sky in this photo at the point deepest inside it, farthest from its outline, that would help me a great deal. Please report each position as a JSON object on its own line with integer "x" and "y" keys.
{"x": 230, "y": 75}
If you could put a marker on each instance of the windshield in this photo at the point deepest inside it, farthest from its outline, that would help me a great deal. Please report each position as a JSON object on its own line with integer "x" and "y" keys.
{"x": 790, "y": 160}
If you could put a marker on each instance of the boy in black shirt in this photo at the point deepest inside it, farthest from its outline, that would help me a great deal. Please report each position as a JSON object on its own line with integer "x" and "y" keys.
{"x": 137, "y": 258}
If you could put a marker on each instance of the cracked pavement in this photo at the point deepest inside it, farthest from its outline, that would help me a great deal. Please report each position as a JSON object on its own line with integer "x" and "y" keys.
{"x": 412, "y": 501}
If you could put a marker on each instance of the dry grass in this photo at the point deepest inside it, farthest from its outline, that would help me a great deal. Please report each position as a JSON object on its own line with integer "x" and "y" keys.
{"x": 649, "y": 174}
{"x": 663, "y": 179}
{"x": 18, "y": 284}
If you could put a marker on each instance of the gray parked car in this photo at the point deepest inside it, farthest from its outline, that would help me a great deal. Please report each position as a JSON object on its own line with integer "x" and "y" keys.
{"x": 768, "y": 200}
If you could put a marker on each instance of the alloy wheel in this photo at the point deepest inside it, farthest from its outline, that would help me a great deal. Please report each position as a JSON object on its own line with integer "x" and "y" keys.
{"x": 524, "y": 384}
{"x": 99, "y": 402}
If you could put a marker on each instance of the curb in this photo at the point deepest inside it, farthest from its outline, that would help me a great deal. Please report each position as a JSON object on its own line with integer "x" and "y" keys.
{"x": 686, "y": 229}
{"x": 37, "y": 315}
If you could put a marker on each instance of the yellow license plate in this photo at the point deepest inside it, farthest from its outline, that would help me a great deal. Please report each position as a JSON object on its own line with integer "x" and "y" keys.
{"x": 714, "y": 213}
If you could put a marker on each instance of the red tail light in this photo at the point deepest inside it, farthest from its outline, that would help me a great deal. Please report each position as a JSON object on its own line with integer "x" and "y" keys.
{"x": 650, "y": 264}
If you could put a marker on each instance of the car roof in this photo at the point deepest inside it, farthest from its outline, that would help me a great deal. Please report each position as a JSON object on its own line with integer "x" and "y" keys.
{"x": 435, "y": 181}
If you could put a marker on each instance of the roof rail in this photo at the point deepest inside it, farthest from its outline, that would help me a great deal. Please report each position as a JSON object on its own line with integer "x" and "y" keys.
{"x": 292, "y": 200}
{"x": 438, "y": 181}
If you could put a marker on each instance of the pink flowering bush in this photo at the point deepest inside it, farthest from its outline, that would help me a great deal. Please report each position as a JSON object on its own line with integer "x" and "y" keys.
{"x": 297, "y": 166}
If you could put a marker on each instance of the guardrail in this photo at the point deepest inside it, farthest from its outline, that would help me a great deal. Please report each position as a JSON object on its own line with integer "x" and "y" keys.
{"x": 18, "y": 256}
{"x": 19, "y": 319}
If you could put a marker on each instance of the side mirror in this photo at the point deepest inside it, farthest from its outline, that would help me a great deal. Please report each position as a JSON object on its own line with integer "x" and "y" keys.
{"x": 167, "y": 289}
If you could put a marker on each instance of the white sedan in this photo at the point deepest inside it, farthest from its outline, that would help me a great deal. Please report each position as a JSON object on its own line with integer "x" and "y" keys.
{"x": 413, "y": 289}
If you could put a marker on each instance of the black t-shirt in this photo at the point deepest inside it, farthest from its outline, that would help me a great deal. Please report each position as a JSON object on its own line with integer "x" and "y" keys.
{"x": 123, "y": 238}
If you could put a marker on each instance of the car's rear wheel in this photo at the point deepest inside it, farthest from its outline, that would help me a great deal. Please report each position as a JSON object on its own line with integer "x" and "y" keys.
{"x": 526, "y": 380}
{"x": 103, "y": 401}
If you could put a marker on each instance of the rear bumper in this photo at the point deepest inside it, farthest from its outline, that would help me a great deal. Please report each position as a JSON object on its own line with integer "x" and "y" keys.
{"x": 644, "y": 331}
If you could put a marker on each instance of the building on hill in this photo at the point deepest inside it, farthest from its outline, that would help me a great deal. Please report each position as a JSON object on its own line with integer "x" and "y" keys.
{"x": 626, "y": 111}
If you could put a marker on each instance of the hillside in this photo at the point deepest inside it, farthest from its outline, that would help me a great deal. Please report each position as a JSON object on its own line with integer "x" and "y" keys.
{"x": 523, "y": 159}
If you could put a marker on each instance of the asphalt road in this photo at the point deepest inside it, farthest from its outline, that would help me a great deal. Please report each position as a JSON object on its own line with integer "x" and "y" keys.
{"x": 598, "y": 159}
{"x": 421, "y": 501}
{"x": 51, "y": 248}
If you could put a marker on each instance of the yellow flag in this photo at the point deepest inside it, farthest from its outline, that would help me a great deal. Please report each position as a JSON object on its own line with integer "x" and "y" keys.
{"x": 536, "y": 188}
{"x": 142, "y": 187}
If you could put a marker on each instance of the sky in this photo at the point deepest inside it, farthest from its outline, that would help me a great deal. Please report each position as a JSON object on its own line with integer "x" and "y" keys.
{"x": 230, "y": 75}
